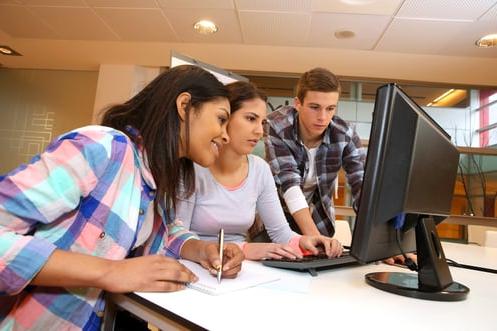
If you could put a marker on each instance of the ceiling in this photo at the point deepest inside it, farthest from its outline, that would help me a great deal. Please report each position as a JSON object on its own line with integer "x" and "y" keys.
{"x": 90, "y": 32}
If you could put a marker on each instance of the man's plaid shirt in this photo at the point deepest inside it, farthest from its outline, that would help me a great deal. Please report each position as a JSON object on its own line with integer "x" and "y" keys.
{"x": 287, "y": 156}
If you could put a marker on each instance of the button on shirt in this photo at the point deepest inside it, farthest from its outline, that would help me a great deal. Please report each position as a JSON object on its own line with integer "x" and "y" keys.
{"x": 89, "y": 192}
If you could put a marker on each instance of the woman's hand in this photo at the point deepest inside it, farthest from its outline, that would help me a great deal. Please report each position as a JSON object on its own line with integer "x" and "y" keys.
{"x": 146, "y": 273}
{"x": 262, "y": 251}
{"x": 152, "y": 273}
{"x": 317, "y": 244}
{"x": 207, "y": 254}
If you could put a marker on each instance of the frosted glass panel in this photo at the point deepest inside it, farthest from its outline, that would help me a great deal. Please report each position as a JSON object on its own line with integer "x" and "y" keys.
{"x": 38, "y": 105}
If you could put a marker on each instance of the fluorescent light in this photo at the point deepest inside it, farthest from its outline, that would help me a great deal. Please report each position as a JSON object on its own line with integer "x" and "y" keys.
{"x": 449, "y": 98}
{"x": 443, "y": 95}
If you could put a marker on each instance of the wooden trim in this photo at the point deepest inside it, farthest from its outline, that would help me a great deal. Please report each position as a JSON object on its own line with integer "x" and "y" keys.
{"x": 471, "y": 220}
{"x": 462, "y": 149}
{"x": 452, "y": 219}
{"x": 344, "y": 211}
{"x": 477, "y": 150}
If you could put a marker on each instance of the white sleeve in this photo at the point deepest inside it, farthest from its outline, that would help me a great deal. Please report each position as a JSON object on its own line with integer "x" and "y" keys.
{"x": 269, "y": 208}
{"x": 295, "y": 199}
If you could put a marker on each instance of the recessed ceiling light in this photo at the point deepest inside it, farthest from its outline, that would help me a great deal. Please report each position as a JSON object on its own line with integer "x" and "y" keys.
{"x": 490, "y": 40}
{"x": 6, "y": 50}
{"x": 205, "y": 27}
{"x": 344, "y": 34}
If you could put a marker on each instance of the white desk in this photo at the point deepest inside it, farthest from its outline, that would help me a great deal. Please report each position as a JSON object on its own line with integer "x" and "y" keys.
{"x": 335, "y": 298}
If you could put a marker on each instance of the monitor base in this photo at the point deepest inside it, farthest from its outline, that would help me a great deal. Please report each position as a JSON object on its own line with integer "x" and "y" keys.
{"x": 407, "y": 284}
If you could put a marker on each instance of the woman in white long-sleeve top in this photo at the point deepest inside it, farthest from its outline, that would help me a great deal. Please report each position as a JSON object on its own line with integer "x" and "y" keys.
{"x": 238, "y": 185}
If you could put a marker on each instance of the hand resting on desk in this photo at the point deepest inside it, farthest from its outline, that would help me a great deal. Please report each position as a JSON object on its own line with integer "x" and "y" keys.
{"x": 151, "y": 273}
{"x": 157, "y": 273}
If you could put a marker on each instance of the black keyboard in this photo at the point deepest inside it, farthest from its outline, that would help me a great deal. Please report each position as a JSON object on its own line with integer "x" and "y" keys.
{"x": 311, "y": 263}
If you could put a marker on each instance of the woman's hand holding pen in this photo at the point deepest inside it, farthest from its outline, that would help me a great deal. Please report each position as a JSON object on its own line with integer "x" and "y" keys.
{"x": 207, "y": 254}
{"x": 319, "y": 243}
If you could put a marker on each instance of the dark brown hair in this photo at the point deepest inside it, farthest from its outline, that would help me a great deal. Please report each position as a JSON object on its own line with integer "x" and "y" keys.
{"x": 154, "y": 113}
{"x": 317, "y": 79}
{"x": 239, "y": 92}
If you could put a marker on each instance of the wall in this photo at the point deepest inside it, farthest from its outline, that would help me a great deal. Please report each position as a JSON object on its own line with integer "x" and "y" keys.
{"x": 88, "y": 55}
{"x": 38, "y": 105}
{"x": 118, "y": 82}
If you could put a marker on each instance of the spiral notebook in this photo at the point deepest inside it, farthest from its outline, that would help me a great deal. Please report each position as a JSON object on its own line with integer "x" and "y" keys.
{"x": 252, "y": 274}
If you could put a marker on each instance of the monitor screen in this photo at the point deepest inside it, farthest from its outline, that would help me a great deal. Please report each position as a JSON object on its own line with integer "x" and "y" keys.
{"x": 409, "y": 178}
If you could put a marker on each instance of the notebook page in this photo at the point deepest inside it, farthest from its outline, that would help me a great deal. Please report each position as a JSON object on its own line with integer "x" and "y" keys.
{"x": 252, "y": 274}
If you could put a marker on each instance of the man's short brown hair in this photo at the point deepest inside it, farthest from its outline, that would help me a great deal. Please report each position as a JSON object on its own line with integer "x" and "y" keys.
{"x": 317, "y": 79}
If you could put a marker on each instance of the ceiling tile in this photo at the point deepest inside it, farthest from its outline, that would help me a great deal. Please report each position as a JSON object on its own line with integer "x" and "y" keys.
{"x": 74, "y": 23}
{"x": 19, "y": 22}
{"x": 56, "y": 3}
{"x": 138, "y": 24}
{"x": 196, "y": 4}
{"x": 444, "y": 9}
{"x": 367, "y": 28}
{"x": 383, "y": 7}
{"x": 183, "y": 20}
{"x": 274, "y": 5}
{"x": 491, "y": 14}
{"x": 123, "y": 3}
{"x": 415, "y": 36}
{"x": 272, "y": 28}
{"x": 463, "y": 43}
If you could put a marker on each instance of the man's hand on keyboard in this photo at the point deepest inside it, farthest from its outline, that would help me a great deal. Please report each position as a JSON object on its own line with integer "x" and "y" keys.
{"x": 313, "y": 245}
{"x": 264, "y": 251}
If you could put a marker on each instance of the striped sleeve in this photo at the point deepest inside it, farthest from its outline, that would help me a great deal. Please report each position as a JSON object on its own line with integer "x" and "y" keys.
{"x": 178, "y": 236}
{"x": 39, "y": 193}
{"x": 353, "y": 163}
{"x": 281, "y": 161}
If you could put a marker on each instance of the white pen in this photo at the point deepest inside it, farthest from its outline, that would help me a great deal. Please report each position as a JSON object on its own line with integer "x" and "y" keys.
{"x": 221, "y": 250}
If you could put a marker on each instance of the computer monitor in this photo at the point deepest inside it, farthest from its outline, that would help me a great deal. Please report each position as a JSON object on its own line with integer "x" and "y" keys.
{"x": 409, "y": 178}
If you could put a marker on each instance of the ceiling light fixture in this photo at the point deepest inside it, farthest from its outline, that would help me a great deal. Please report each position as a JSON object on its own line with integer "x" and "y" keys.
{"x": 446, "y": 94}
{"x": 6, "y": 50}
{"x": 205, "y": 27}
{"x": 490, "y": 40}
{"x": 344, "y": 34}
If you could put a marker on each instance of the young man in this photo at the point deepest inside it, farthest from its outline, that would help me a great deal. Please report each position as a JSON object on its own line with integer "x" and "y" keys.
{"x": 306, "y": 145}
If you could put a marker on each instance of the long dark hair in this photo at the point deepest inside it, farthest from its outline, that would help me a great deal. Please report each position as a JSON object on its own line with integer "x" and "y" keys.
{"x": 239, "y": 92}
{"x": 154, "y": 113}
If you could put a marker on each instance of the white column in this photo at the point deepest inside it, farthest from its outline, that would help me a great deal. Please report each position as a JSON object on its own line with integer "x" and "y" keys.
{"x": 119, "y": 82}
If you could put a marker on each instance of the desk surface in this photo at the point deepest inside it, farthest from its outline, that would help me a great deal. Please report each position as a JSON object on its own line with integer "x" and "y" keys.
{"x": 341, "y": 298}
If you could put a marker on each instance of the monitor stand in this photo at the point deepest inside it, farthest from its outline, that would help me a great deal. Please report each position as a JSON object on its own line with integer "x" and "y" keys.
{"x": 433, "y": 280}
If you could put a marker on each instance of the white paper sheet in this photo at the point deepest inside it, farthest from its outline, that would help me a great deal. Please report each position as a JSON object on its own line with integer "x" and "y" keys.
{"x": 252, "y": 274}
